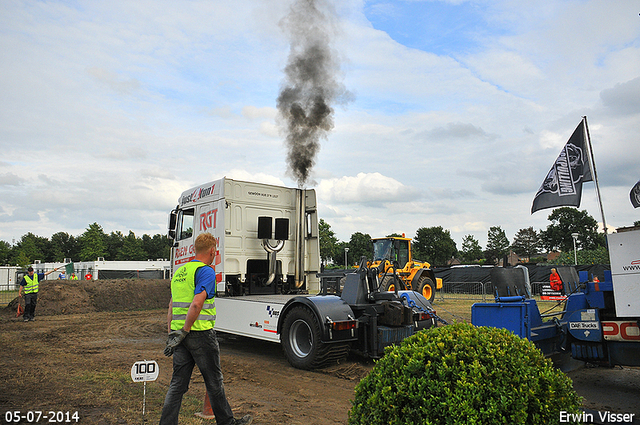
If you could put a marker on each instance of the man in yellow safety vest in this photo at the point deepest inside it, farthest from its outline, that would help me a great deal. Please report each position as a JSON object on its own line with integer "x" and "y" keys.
{"x": 192, "y": 340}
{"x": 29, "y": 287}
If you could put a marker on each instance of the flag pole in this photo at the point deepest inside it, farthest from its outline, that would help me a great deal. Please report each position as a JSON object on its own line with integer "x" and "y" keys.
{"x": 595, "y": 174}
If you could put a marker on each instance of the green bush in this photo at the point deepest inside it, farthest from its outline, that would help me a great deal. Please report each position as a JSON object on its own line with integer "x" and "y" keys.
{"x": 461, "y": 374}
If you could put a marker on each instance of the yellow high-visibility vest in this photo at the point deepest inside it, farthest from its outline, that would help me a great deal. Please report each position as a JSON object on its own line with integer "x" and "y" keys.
{"x": 183, "y": 285}
{"x": 32, "y": 285}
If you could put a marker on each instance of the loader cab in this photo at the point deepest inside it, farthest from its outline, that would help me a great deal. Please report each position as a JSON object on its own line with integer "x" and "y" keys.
{"x": 392, "y": 249}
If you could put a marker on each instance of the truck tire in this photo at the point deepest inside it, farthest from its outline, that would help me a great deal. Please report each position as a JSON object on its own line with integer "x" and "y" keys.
{"x": 426, "y": 287}
{"x": 302, "y": 341}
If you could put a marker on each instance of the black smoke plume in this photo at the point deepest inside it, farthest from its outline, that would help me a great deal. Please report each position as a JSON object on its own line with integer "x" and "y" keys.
{"x": 311, "y": 84}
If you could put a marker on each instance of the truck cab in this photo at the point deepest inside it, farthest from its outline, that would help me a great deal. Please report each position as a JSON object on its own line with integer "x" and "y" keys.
{"x": 242, "y": 216}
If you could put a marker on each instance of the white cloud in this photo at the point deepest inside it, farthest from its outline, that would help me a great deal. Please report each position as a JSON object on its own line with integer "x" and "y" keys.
{"x": 253, "y": 112}
{"x": 623, "y": 98}
{"x": 112, "y": 80}
{"x": 259, "y": 177}
{"x": 121, "y": 106}
{"x": 369, "y": 188}
{"x": 10, "y": 179}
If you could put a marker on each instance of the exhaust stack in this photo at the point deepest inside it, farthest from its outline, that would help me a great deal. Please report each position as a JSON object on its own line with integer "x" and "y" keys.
{"x": 299, "y": 274}
{"x": 265, "y": 233}
{"x": 272, "y": 251}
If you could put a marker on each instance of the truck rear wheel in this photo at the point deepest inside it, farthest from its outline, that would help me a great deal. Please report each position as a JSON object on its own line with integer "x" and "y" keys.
{"x": 426, "y": 287}
{"x": 302, "y": 341}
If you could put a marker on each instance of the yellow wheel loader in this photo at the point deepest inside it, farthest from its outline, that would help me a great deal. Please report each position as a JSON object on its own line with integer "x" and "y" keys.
{"x": 392, "y": 257}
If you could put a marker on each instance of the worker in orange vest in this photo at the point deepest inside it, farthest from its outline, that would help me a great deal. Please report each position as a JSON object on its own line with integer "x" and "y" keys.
{"x": 555, "y": 281}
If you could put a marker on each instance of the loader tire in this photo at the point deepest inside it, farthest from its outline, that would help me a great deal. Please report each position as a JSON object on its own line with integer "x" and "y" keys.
{"x": 302, "y": 341}
{"x": 426, "y": 287}
{"x": 389, "y": 282}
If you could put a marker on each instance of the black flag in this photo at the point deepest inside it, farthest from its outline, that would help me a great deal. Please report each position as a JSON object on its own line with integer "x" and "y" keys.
{"x": 635, "y": 195}
{"x": 563, "y": 184}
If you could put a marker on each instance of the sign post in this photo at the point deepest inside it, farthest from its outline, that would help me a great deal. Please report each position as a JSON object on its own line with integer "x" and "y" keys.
{"x": 143, "y": 371}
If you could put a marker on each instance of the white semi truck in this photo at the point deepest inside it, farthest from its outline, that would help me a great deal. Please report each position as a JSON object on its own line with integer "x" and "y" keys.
{"x": 267, "y": 270}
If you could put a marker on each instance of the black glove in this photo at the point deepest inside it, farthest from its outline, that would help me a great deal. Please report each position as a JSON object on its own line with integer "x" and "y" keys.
{"x": 174, "y": 339}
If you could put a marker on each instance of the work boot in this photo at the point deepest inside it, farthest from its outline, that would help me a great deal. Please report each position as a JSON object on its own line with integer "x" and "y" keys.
{"x": 246, "y": 420}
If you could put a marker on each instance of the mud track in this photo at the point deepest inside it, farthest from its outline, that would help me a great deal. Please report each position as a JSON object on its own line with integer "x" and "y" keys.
{"x": 78, "y": 354}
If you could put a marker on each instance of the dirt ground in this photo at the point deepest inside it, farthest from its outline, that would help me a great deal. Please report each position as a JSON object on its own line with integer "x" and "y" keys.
{"x": 78, "y": 353}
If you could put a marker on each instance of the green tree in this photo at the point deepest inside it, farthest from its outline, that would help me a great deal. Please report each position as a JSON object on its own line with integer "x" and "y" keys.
{"x": 22, "y": 260}
{"x": 526, "y": 243}
{"x": 328, "y": 242}
{"x": 5, "y": 252}
{"x": 131, "y": 249}
{"x": 93, "y": 243}
{"x": 434, "y": 245}
{"x": 158, "y": 246}
{"x": 359, "y": 246}
{"x": 471, "y": 249}
{"x": 33, "y": 247}
{"x": 600, "y": 255}
{"x": 564, "y": 222}
{"x": 64, "y": 246}
{"x": 497, "y": 244}
{"x": 338, "y": 258}
{"x": 114, "y": 243}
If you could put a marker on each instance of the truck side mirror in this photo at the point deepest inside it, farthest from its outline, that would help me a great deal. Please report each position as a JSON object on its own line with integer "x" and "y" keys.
{"x": 173, "y": 220}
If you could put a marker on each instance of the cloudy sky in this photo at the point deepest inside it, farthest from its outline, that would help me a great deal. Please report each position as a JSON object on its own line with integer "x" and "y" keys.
{"x": 109, "y": 110}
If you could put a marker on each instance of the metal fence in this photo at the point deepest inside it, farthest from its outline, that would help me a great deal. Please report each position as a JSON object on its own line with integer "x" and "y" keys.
{"x": 462, "y": 291}
{"x": 6, "y": 296}
{"x": 479, "y": 291}
{"x": 8, "y": 286}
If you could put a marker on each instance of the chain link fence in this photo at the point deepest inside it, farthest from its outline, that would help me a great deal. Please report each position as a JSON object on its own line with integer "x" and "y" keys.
{"x": 8, "y": 286}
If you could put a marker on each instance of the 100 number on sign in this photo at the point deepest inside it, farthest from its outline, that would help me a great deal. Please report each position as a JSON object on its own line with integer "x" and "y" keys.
{"x": 144, "y": 371}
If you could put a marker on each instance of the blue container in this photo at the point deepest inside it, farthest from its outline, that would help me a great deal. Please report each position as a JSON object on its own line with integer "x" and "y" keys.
{"x": 510, "y": 316}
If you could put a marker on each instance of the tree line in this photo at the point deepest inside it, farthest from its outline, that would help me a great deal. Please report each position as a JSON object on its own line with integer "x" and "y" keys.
{"x": 88, "y": 246}
{"x": 432, "y": 244}
{"x": 436, "y": 246}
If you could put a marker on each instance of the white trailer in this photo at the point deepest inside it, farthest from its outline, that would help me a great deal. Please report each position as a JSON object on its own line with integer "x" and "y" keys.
{"x": 8, "y": 278}
{"x": 101, "y": 269}
{"x": 624, "y": 251}
{"x": 266, "y": 272}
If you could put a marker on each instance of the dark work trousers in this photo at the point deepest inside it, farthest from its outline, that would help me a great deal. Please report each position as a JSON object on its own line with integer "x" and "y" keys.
{"x": 198, "y": 348}
{"x": 30, "y": 301}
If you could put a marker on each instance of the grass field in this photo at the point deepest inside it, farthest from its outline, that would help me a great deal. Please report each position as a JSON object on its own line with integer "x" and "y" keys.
{"x": 459, "y": 309}
{"x": 6, "y": 297}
